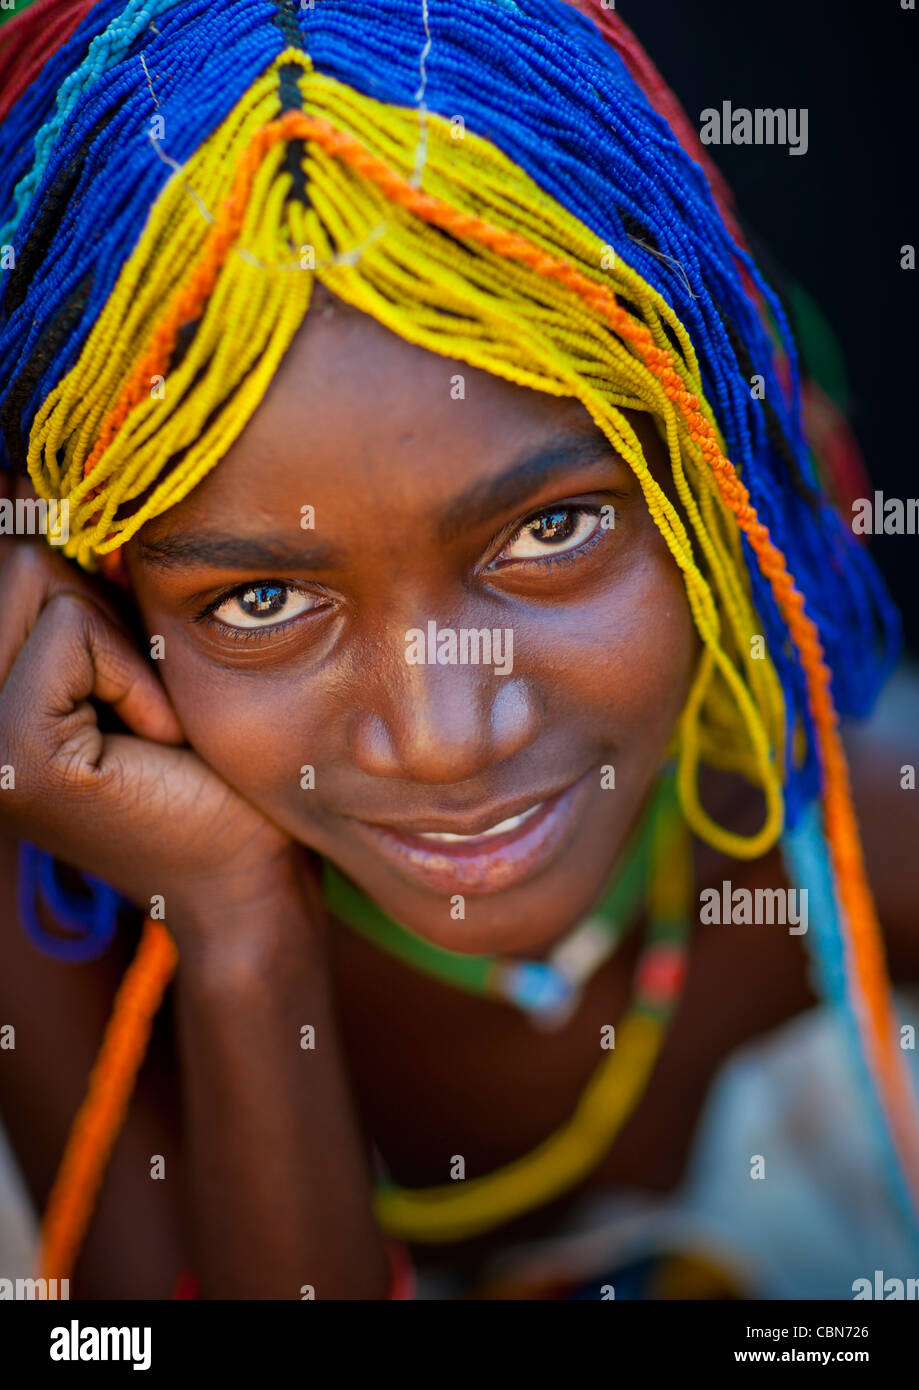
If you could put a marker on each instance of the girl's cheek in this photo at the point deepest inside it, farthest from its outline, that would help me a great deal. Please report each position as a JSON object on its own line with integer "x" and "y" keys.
{"x": 256, "y": 733}
{"x": 631, "y": 654}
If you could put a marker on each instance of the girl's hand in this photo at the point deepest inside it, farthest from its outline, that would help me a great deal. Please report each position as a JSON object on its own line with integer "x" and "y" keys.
{"x": 136, "y": 810}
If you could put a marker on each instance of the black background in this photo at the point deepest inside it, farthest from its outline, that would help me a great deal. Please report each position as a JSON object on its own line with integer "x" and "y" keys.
{"x": 836, "y": 217}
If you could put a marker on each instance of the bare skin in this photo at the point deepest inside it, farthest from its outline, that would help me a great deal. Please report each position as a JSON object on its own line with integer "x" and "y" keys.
{"x": 267, "y": 1145}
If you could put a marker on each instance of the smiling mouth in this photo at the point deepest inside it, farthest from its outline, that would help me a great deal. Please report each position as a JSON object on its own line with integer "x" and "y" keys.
{"x": 490, "y": 860}
{"x": 510, "y": 823}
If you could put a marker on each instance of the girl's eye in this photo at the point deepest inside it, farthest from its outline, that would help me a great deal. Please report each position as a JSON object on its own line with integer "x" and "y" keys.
{"x": 552, "y": 532}
{"x": 262, "y": 605}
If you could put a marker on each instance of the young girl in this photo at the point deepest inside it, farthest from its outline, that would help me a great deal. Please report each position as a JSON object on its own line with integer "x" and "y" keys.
{"x": 422, "y": 768}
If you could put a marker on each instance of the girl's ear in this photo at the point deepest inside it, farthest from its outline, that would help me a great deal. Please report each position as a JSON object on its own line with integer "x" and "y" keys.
{"x": 113, "y": 568}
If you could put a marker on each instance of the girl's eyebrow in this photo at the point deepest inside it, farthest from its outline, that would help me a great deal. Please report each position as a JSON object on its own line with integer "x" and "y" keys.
{"x": 208, "y": 548}
{"x": 556, "y": 457}
{"x": 562, "y": 454}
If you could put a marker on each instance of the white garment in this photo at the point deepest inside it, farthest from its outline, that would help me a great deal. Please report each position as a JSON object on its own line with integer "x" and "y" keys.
{"x": 18, "y": 1222}
{"x": 820, "y": 1217}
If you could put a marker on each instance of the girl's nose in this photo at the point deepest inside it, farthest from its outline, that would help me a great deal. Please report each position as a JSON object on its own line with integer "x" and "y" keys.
{"x": 443, "y": 724}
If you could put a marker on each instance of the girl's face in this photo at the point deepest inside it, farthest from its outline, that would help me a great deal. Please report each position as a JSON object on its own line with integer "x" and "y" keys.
{"x": 402, "y": 576}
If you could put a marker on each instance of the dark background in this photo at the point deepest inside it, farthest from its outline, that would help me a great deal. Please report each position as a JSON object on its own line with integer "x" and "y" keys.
{"x": 836, "y": 217}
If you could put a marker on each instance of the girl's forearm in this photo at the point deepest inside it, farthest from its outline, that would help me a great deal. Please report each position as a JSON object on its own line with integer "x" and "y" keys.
{"x": 278, "y": 1180}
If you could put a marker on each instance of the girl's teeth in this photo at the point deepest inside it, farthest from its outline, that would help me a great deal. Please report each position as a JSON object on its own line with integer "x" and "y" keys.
{"x": 500, "y": 829}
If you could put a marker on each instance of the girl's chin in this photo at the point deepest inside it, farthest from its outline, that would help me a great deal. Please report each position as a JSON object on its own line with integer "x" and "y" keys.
{"x": 524, "y": 922}
{"x": 478, "y": 928}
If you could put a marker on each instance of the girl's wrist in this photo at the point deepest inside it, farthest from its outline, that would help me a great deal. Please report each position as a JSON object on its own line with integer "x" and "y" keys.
{"x": 229, "y": 943}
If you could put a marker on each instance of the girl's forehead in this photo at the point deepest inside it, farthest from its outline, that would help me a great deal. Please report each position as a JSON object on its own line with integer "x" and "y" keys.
{"x": 395, "y": 450}
{"x": 348, "y": 388}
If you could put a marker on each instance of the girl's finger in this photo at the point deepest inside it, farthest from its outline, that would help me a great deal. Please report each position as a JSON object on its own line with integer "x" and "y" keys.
{"x": 31, "y": 573}
{"x": 75, "y": 653}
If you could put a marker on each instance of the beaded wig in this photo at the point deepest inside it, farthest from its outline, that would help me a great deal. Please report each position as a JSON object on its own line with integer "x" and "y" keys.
{"x": 504, "y": 182}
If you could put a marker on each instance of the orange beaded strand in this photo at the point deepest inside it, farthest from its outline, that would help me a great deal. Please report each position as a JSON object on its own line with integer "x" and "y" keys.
{"x": 101, "y": 1115}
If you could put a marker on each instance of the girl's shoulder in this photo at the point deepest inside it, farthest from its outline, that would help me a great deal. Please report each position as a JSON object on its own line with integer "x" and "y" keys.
{"x": 883, "y": 757}
{"x": 883, "y": 754}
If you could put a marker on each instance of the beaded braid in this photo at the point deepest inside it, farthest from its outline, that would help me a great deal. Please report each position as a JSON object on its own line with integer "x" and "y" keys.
{"x": 570, "y": 241}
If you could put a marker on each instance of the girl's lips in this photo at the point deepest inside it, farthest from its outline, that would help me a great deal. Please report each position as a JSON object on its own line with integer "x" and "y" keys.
{"x": 484, "y": 863}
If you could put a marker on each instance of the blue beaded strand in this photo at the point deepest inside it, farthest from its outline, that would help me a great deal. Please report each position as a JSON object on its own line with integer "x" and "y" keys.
{"x": 91, "y": 922}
